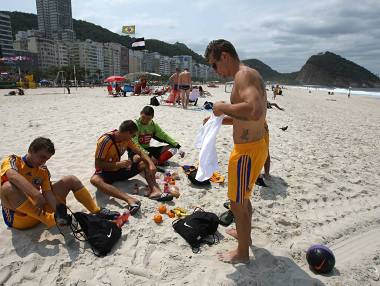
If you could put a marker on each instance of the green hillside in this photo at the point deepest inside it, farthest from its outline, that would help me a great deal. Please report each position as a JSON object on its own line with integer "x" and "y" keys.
{"x": 85, "y": 30}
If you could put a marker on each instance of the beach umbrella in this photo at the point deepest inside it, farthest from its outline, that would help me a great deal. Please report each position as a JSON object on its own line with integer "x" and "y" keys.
{"x": 114, "y": 78}
{"x": 135, "y": 75}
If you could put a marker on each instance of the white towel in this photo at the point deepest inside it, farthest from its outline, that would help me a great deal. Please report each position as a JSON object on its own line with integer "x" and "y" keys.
{"x": 206, "y": 139}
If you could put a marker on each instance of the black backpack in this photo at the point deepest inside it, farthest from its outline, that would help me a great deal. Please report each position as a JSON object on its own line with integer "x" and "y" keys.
{"x": 208, "y": 105}
{"x": 195, "y": 228}
{"x": 100, "y": 233}
{"x": 154, "y": 101}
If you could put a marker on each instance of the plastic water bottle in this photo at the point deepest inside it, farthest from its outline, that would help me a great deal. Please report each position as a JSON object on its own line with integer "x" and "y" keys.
{"x": 122, "y": 219}
{"x": 166, "y": 188}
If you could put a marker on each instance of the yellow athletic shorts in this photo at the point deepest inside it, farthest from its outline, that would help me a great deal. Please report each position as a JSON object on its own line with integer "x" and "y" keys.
{"x": 246, "y": 162}
{"x": 18, "y": 220}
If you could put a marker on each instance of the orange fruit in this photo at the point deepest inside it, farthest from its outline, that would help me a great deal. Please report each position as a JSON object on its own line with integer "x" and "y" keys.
{"x": 157, "y": 218}
{"x": 162, "y": 209}
{"x": 171, "y": 214}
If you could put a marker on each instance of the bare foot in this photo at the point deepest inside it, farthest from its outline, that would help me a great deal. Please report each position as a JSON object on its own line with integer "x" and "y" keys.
{"x": 155, "y": 193}
{"x": 132, "y": 201}
{"x": 233, "y": 233}
{"x": 232, "y": 257}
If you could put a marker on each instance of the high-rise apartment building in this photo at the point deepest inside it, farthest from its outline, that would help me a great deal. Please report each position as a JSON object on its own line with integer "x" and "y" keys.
{"x": 6, "y": 40}
{"x": 55, "y": 19}
{"x": 112, "y": 53}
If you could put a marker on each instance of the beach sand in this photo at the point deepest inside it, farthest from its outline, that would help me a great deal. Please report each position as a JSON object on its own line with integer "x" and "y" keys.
{"x": 324, "y": 189}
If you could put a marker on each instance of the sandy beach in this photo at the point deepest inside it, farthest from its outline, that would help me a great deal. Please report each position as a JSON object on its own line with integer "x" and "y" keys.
{"x": 324, "y": 189}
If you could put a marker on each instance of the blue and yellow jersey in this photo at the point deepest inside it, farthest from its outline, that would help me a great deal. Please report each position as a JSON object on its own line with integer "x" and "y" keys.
{"x": 39, "y": 177}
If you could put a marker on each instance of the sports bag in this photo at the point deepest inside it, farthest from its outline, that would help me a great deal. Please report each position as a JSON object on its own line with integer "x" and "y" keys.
{"x": 100, "y": 233}
{"x": 195, "y": 228}
{"x": 154, "y": 101}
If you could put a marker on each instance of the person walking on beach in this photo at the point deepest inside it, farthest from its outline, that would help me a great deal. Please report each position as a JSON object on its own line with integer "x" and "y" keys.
{"x": 246, "y": 113}
{"x": 184, "y": 79}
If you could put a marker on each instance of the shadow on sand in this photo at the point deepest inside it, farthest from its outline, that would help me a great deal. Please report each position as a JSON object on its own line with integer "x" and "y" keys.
{"x": 266, "y": 269}
{"x": 277, "y": 187}
{"x": 33, "y": 240}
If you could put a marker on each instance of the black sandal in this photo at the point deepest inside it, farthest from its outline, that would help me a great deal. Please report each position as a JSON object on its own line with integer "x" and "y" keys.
{"x": 164, "y": 197}
{"x": 134, "y": 208}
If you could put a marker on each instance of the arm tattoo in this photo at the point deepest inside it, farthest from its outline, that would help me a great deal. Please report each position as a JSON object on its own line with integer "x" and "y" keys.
{"x": 244, "y": 136}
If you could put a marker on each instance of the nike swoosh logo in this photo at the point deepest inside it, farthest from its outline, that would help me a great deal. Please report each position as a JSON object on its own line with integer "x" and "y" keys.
{"x": 319, "y": 267}
{"x": 109, "y": 235}
{"x": 187, "y": 225}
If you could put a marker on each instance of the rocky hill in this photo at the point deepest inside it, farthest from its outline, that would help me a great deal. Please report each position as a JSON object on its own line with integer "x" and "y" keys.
{"x": 269, "y": 74}
{"x": 333, "y": 70}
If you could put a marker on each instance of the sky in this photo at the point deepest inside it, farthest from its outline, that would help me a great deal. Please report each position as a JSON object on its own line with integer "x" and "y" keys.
{"x": 281, "y": 33}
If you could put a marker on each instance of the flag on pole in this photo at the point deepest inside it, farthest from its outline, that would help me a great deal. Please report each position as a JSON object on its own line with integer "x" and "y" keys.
{"x": 138, "y": 44}
{"x": 130, "y": 30}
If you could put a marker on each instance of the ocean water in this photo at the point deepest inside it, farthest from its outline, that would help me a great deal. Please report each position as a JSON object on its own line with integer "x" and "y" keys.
{"x": 371, "y": 92}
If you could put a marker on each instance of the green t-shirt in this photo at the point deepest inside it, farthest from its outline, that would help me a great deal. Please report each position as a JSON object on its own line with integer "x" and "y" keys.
{"x": 151, "y": 131}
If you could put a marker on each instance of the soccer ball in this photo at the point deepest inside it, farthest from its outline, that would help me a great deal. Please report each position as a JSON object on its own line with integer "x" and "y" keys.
{"x": 320, "y": 258}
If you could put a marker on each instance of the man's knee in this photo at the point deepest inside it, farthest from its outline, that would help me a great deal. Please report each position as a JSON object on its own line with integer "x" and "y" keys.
{"x": 5, "y": 189}
{"x": 71, "y": 181}
{"x": 96, "y": 180}
{"x": 240, "y": 208}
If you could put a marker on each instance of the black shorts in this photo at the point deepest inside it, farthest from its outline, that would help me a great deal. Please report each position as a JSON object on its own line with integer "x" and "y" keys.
{"x": 153, "y": 151}
{"x": 120, "y": 175}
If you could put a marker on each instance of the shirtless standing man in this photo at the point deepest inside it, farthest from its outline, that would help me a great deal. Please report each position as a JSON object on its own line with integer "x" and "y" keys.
{"x": 174, "y": 80}
{"x": 184, "y": 86}
{"x": 246, "y": 114}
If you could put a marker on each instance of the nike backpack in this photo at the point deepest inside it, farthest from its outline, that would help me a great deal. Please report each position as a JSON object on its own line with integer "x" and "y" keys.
{"x": 100, "y": 233}
{"x": 197, "y": 227}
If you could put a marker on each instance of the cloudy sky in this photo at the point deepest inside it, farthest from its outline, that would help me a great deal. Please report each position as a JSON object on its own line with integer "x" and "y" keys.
{"x": 283, "y": 34}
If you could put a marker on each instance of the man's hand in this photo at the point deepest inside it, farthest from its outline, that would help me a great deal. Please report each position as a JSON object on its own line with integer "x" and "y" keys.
{"x": 40, "y": 203}
{"x": 217, "y": 108}
{"x": 125, "y": 164}
{"x": 205, "y": 120}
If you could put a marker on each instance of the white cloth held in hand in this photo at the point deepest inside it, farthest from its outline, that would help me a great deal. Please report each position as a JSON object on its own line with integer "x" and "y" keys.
{"x": 206, "y": 140}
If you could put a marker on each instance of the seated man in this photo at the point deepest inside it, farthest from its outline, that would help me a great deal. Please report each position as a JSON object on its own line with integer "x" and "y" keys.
{"x": 142, "y": 87}
{"x": 137, "y": 89}
{"x": 194, "y": 94}
{"x": 148, "y": 129}
{"x": 27, "y": 195}
{"x": 110, "y": 168}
